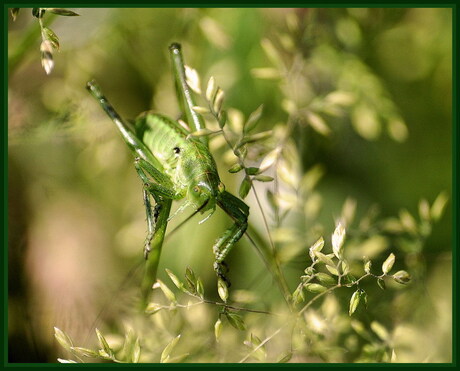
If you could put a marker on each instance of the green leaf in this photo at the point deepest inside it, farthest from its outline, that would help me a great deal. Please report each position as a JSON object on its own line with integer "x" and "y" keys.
{"x": 222, "y": 289}
{"x": 332, "y": 269}
{"x": 191, "y": 278}
{"x": 437, "y": 209}
{"x": 284, "y": 357}
{"x": 200, "y": 288}
{"x": 222, "y": 118}
{"x": 388, "y": 263}
{"x": 316, "y": 247}
{"x": 318, "y": 124}
{"x": 63, "y": 338}
{"x": 245, "y": 187}
{"x": 46, "y": 50}
{"x": 211, "y": 89}
{"x": 177, "y": 282}
{"x": 402, "y": 277}
{"x": 52, "y": 37}
{"x": 85, "y": 352}
{"x": 200, "y": 110}
{"x": 218, "y": 100}
{"x": 338, "y": 238}
{"x": 354, "y": 301}
{"x": 105, "y": 345}
{"x": 265, "y": 73}
{"x": 193, "y": 79}
{"x": 253, "y": 119}
{"x": 272, "y": 53}
{"x": 202, "y": 132}
{"x": 260, "y": 353}
{"x": 255, "y": 340}
{"x": 298, "y": 295}
{"x": 252, "y": 170}
{"x": 60, "y": 11}
{"x": 269, "y": 159}
{"x": 408, "y": 221}
{"x": 315, "y": 287}
{"x": 380, "y": 331}
{"x": 128, "y": 344}
{"x": 166, "y": 291}
{"x": 153, "y": 308}
{"x": 168, "y": 349}
{"x": 367, "y": 265}
{"x": 325, "y": 278}
{"x": 424, "y": 210}
{"x": 366, "y": 122}
{"x": 324, "y": 258}
{"x": 381, "y": 283}
{"x": 236, "y": 321}
{"x": 255, "y": 138}
{"x": 263, "y": 178}
{"x": 218, "y": 329}
{"x": 235, "y": 168}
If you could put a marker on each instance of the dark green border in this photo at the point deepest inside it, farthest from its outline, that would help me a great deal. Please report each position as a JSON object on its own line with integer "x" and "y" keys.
{"x": 274, "y": 4}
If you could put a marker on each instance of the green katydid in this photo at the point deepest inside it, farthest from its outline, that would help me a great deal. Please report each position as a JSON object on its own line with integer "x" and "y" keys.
{"x": 173, "y": 166}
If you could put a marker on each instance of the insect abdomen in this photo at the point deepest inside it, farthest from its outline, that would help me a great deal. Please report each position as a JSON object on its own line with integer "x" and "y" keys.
{"x": 162, "y": 136}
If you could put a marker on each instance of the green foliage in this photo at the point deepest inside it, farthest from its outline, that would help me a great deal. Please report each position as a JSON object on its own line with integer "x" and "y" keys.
{"x": 327, "y": 273}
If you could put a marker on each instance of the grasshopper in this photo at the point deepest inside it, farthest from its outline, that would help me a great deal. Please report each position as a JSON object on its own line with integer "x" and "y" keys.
{"x": 173, "y": 165}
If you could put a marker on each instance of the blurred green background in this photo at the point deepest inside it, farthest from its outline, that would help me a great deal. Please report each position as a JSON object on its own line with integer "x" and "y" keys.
{"x": 76, "y": 221}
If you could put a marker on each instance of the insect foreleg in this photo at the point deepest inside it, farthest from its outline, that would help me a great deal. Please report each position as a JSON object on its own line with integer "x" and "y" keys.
{"x": 154, "y": 180}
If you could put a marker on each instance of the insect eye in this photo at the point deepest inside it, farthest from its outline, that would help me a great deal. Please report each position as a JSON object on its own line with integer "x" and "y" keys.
{"x": 176, "y": 150}
{"x": 196, "y": 189}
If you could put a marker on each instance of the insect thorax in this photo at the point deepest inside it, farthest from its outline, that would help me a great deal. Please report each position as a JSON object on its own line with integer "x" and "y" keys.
{"x": 186, "y": 161}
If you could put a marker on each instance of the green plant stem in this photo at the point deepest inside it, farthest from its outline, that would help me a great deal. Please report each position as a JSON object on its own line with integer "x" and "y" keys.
{"x": 274, "y": 258}
{"x": 276, "y": 270}
{"x": 212, "y": 302}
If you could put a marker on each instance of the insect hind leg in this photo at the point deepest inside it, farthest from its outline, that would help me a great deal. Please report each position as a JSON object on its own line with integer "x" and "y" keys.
{"x": 152, "y": 218}
{"x": 158, "y": 186}
{"x": 239, "y": 212}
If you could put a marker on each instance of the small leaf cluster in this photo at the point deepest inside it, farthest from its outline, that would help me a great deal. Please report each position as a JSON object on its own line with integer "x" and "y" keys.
{"x": 354, "y": 93}
{"x": 338, "y": 273}
{"x": 237, "y": 137}
{"x": 50, "y": 41}
{"x": 129, "y": 353}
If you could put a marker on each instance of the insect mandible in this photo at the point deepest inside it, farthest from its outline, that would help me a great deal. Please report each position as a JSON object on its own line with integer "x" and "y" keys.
{"x": 176, "y": 166}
